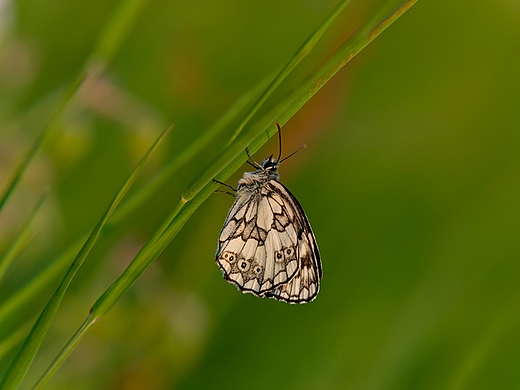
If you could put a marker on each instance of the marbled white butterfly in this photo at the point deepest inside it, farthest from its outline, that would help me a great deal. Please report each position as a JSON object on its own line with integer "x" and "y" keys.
{"x": 267, "y": 246}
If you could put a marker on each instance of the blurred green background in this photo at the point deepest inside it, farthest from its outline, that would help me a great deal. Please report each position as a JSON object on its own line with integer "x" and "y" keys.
{"x": 410, "y": 180}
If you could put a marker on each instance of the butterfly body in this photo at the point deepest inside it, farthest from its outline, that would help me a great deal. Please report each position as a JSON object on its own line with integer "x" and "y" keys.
{"x": 267, "y": 246}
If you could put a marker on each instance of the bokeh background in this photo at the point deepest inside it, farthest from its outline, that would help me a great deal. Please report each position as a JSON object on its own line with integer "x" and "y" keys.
{"x": 410, "y": 180}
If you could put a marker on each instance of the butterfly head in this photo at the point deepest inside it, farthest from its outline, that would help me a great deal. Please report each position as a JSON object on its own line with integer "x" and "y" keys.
{"x": 269, "y": 167}
{"x": 270, "y": 164}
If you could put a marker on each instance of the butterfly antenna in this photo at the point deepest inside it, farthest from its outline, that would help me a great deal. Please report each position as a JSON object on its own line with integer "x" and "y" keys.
{"x": 279, "y": 142}
{"x": 293, "y": 153}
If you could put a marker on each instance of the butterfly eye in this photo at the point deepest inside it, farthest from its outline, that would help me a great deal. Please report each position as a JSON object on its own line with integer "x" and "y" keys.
{"x": 258, "y": 269}
{"x": 231, "y": 258}
{"x": 288, "y": 252}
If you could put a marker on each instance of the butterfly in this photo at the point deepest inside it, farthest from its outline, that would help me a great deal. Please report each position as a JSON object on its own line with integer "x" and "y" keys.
{"x": 266, "y": 246}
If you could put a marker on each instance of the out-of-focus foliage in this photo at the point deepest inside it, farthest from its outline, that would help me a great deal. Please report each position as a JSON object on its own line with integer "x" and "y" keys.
{"x": 410, "y": 180}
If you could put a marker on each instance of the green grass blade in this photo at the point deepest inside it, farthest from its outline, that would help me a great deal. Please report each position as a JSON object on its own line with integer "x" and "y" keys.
{"x": 300, "y": 54}
{"x": 20, "y": 241}
{"x": 40, "y": 140}
{"x": 30, "y": 347}
{"x": 254, "y": 138}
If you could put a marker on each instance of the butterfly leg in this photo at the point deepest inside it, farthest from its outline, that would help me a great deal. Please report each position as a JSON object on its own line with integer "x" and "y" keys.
{"x": 254, "y": 163}
{"x": 225, "y": 192}
{"x": 225, "y": 185}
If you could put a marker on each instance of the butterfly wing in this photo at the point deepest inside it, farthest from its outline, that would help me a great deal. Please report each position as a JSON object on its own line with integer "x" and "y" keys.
{"x": 267, "y": 246}
{"x": 304, "y": 286}
{"x": 258, "y": 245}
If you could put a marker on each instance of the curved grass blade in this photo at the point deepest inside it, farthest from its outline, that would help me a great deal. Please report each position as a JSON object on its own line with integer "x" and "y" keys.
{"x": 32, "y": 343}
{"x": 20, "y": 241}
{"x": 255, "y": 138}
